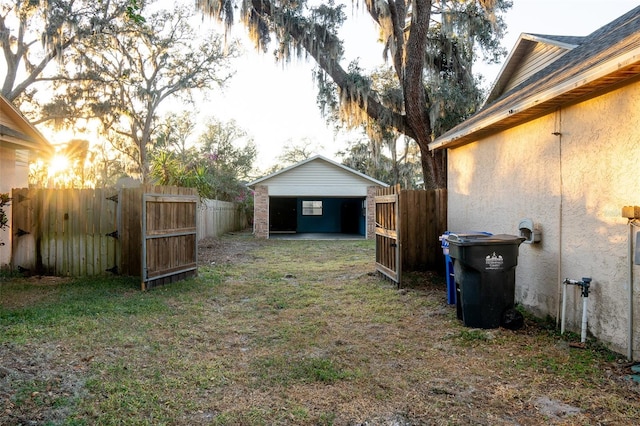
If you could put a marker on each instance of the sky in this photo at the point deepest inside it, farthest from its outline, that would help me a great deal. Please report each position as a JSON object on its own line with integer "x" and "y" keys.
{"x": 276, "y": 104}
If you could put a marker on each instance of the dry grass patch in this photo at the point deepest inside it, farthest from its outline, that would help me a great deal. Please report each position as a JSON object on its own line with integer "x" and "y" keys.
{"x": 289, "y": 333}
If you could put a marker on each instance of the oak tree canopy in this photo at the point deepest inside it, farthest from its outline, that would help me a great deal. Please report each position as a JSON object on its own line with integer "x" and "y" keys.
{"x": 429, "y": 45}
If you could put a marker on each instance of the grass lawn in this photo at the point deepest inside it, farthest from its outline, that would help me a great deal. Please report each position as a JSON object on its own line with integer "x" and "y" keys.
{"x": 288, "y": 333}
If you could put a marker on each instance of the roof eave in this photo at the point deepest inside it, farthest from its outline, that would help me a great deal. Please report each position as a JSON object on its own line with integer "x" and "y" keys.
{"x": 33, "y": 139}
{"x": 317, "y": 157}
{"x": 521, "y": 47}
{"x": 536, "y": 105}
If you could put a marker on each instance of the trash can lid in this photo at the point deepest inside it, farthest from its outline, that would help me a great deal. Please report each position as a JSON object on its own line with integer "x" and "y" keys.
{"x": 481, "y": 240}
{"x": 444, "y": 238}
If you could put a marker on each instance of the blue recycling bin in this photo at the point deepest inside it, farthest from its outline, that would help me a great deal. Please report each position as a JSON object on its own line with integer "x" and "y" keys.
{"x": 448, "y": 264}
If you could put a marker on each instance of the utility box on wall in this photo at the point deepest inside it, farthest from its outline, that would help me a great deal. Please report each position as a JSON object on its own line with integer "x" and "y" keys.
{"x": 530, "y": 231}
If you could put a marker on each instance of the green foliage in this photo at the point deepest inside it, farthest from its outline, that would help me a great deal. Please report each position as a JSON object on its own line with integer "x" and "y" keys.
{"x": 216, "y": 166}
{"x": 42, "y": 32}
{"x": 133, "y": 11}
{"x": 430, "y": 48}
{"x": 401, "y": 168}
{"x": 123, "y": 76}
{"x": 470, "y": 336}
{"x": 4, "y": 219}
{"x": 4, "y": 202}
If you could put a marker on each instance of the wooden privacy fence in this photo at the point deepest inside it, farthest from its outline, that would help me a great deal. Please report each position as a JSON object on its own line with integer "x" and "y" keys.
{"x": 66, "y": 232}
{"x": 169, "y": 240}
{"x": 217, "y": 217}
{"x": 423, "y": 220}
{"x": 131, "y": 236}
{"x": 408, "y": 224}
{"x": 88, "y": 232}
{"x": 388, "y": 247}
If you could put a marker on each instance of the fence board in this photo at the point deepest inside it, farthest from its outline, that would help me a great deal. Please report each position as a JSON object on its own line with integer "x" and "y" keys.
{"x": 21, "y": 222}
{"x": 51, "y": 200}
{"x": 89, "y": 209}
{"x": 77, "y": 239}
{"x": 216, "y": 218}
{"x": 36, "y": 200}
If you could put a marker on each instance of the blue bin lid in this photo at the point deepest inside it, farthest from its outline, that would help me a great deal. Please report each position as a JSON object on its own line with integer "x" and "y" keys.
{"x": 482, "y": 240}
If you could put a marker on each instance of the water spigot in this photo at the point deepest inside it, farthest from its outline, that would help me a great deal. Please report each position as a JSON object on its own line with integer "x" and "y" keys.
{"x": 586, "y": 283}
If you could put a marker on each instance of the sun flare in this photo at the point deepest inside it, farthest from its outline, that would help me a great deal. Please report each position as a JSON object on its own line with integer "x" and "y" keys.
{"x": 58, "y": 164}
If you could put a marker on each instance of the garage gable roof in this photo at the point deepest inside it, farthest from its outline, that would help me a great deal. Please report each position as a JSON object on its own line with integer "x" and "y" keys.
{"x": 605, "y": 59}
{"x": 317, "y": 158}
{"x": 17, "y": 132}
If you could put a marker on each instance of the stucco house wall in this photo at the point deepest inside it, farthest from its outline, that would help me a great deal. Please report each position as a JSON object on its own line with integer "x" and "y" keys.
{"x": 571, "y": 172}
{"x": 494, "y": 183}
{"x": 561, "y": 147}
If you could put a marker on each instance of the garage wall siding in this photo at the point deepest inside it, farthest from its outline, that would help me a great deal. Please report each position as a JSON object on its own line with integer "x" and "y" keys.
{"x": 318, "y": 178}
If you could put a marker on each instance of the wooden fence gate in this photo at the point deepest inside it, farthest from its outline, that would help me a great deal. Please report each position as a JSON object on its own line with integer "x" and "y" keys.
{"x": 408, "y": 224}
{"x": 90, "y": 232}
{"x": 388, "y": 243}
{"x": 169, "y": 238}
{"x": 65, "y": 232}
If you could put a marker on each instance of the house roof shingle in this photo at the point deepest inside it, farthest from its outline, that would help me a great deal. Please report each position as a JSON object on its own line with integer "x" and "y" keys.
{"x": 603, "y": 59}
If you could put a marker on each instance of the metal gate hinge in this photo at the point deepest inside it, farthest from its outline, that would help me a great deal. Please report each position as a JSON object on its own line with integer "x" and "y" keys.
{"x": 22, "y": 232}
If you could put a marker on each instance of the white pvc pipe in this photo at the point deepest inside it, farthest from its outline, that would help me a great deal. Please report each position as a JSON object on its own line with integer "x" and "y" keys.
{"x": 585, "y": 300}
{"x": 564, "y": 306}
{"x": 630, "y": 327}
{"x": 583, "y": 334}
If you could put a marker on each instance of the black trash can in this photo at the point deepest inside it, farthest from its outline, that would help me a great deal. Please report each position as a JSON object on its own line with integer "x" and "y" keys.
{"x": 485, "y": 274}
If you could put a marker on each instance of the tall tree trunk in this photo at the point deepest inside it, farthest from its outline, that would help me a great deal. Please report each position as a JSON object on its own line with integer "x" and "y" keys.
{"x": 415, "y": 97}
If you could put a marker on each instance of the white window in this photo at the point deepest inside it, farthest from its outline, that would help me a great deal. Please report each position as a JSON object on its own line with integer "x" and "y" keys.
{"x": 311, "y": 208}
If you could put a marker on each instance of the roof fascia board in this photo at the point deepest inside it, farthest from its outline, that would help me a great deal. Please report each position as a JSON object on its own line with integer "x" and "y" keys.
{"x": 552, "y": 41}
{"x": 575, "y": 82}
{"x": 318, "y": 157}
